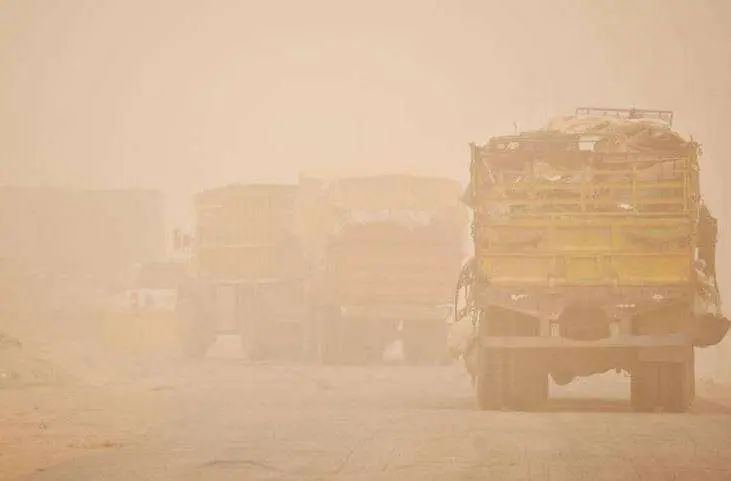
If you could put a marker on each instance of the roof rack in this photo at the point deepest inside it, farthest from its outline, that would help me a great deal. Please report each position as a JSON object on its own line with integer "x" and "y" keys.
{"x": 664, "y": 115}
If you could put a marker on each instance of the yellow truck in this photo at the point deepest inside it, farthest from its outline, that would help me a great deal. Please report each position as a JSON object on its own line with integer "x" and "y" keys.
{"x": 593, "y": 251}
{"x": 247, "y": 272}
{"x": 384, "y": 253}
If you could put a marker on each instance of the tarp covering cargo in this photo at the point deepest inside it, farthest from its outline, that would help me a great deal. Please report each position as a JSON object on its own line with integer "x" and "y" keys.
{"x": 623, "y": 135}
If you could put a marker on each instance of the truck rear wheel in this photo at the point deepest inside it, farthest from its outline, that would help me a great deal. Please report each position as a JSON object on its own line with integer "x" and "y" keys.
{"x": 194, "y": 333}
{"x": 250, "y": 315}
{"x": 194, "y": 344}
{"x": 252, "y": 346}
{"x": 329, "y": 336}
{"x": 665, "y": 386}
{"x": 530, "y": 382}
{"x": 492, "y": 379}
{"x": 510, "y": 379}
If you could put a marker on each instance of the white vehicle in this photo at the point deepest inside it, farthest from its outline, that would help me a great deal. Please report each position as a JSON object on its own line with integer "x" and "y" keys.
{"x": 154, "y": 286}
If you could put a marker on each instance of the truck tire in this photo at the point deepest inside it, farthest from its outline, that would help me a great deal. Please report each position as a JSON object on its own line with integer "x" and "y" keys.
{"x": 492, "y": 380}
{"x": 251, "y": 346}
{"x": 195, "y": 348}
{"x": 664, "y": 386}
{"x": 253, "y": 342}
{"x": 367, "y": 343}
{"x": 510, "y": 379}
{"x": 530, "y": 381}
{"x": 329, "y": 337}
{"x": 193, "y": 331}
{"x": 310, "y": 338}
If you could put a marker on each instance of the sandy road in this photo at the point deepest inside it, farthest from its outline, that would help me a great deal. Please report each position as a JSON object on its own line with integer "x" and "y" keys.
{"x": 220, "y": 420}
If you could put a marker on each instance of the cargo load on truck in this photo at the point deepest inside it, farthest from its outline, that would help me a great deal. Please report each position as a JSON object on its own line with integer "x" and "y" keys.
{"x": 384, "y": 252}
{"x": 593, "y": 251}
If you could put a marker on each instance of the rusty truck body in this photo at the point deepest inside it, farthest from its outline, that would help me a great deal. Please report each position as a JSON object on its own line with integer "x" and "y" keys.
{"x": 593, "y": 251}
{"x": 384, "y": 254}
{"x": 247, "y": 271}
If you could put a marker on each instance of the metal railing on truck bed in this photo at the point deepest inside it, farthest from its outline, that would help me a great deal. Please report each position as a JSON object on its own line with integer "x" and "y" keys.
{"x": 550, "y": 211}
{"x": 539, "y": 176}
{"x": 663, "y": 115}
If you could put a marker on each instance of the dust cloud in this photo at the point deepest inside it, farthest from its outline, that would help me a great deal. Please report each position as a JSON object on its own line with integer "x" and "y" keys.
{"x": 173, "y": 171}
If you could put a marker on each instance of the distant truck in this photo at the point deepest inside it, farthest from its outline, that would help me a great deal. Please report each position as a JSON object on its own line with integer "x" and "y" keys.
{"x": 74, "y": 245}
{"x": 593, "y": 252}
{"x": 247, "y": 272}
{"x": 77, "y": 235}
{"x": 384, "y": 254}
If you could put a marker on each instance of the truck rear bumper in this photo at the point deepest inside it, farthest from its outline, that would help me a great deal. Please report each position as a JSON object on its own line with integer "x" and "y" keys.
{"x": 398, "y": 313}
{"x": 618, "y": 342}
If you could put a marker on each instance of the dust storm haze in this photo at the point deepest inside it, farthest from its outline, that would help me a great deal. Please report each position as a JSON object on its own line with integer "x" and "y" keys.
{"x": 124, "y": 127}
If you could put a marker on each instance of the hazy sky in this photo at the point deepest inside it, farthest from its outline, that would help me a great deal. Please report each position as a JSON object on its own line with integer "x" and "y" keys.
{"x": 186, "y": 94}
{"x": 183, "y": 94}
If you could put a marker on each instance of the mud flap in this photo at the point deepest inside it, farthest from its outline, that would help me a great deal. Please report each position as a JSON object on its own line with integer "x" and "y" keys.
{"x": 665, "y": 385}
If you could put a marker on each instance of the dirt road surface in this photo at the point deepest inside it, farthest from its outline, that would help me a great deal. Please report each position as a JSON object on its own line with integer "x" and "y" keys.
{"x": 220, "y": 419}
